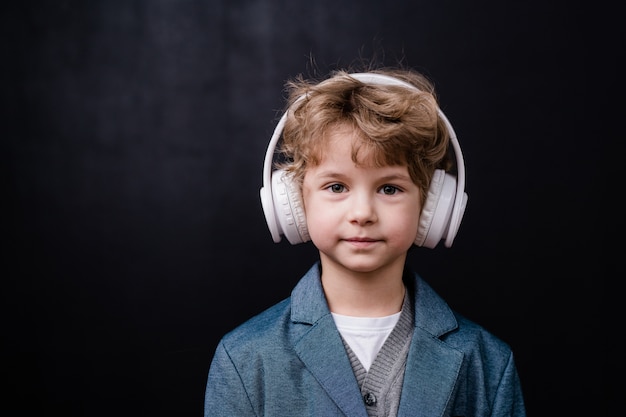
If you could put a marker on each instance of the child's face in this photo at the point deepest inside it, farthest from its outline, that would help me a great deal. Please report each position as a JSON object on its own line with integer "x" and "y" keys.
{"x": 361, "y": 218}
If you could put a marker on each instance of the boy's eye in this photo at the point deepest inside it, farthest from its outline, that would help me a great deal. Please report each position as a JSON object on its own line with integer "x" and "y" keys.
{"x": 336, "y": 188}
{"x": 389, "y": 189}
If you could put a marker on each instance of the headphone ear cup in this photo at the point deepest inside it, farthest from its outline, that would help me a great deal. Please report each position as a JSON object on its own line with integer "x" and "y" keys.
{"x": 267, "y": 203}
{"x": 437, "y": 209}
{"x": 288, "y": 208}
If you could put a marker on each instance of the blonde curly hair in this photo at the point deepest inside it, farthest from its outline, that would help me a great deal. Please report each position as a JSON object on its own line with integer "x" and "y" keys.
{"x": 393, "y": 125}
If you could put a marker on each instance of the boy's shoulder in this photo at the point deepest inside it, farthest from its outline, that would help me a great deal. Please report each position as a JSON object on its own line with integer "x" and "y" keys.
{"x": 263, "y": 325}
{"x": 476, "y": 337}
{"x": 275, "y": 326}
{"x": 442, "y": 321}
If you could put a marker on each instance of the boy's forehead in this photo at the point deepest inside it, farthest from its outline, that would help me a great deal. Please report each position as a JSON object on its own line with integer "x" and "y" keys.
{"x": 346, "y": 143}
{"x": 337, "y": 143}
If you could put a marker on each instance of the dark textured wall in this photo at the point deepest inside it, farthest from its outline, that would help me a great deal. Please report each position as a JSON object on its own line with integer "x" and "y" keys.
{"x": 133, "y": 140}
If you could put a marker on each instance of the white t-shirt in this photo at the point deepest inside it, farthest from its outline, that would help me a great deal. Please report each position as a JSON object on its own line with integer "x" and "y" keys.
{"x": 365, "y": 335}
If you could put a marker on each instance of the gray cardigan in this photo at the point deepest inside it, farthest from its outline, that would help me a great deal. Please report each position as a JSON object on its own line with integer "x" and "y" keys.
{"x": 290, "y": 361}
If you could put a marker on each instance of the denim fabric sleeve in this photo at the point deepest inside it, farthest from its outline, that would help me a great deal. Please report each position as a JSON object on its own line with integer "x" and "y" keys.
{"x": 225, "y": 394}
{"x": 509, "y": 401}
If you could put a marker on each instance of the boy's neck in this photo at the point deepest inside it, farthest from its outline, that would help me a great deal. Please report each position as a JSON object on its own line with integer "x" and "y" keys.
{"x": 363, "y": 294}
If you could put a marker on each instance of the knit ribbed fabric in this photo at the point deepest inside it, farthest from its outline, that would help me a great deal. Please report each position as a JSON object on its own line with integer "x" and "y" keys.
{"x": 382, "y": 385}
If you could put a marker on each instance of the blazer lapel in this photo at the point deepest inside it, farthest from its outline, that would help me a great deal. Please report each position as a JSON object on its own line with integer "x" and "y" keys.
{"x": 430, "y": 377}
{"x": 320, "y": 347}
{"x": 323, "y": 353}
{"x": 432, "y": 366}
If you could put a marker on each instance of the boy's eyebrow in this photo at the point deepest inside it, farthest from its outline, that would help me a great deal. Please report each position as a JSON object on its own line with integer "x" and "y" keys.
{"x": 396, "y": 177}
{"x": 330, "y": 174}
{"x": 338, "y": 175}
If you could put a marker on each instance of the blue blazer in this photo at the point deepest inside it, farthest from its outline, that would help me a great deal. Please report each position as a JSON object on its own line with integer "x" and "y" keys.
{"x": 290, "y": 361}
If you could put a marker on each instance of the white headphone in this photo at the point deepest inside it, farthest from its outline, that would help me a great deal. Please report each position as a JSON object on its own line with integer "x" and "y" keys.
{"x": 442, "y": 210}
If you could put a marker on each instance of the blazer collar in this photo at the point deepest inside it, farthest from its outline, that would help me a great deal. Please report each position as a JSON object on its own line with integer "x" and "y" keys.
{"x": 432, "y": 366}
{"x": 432, "y": 313}
{"x": 308, "y": 302}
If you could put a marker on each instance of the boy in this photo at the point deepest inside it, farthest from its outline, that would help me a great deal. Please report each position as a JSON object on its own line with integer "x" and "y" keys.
{"x": 363, "y": 176}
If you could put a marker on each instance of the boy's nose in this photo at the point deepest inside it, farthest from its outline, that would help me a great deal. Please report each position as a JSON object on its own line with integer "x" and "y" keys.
{"x": 362, "y": 210}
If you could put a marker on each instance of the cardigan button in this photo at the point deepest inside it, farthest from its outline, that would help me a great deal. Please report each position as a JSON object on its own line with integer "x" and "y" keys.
{"x": 369, "y": 399}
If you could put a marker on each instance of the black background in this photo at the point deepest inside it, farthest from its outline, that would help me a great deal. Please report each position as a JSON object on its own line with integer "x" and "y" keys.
{"x": 133, "y": 139}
